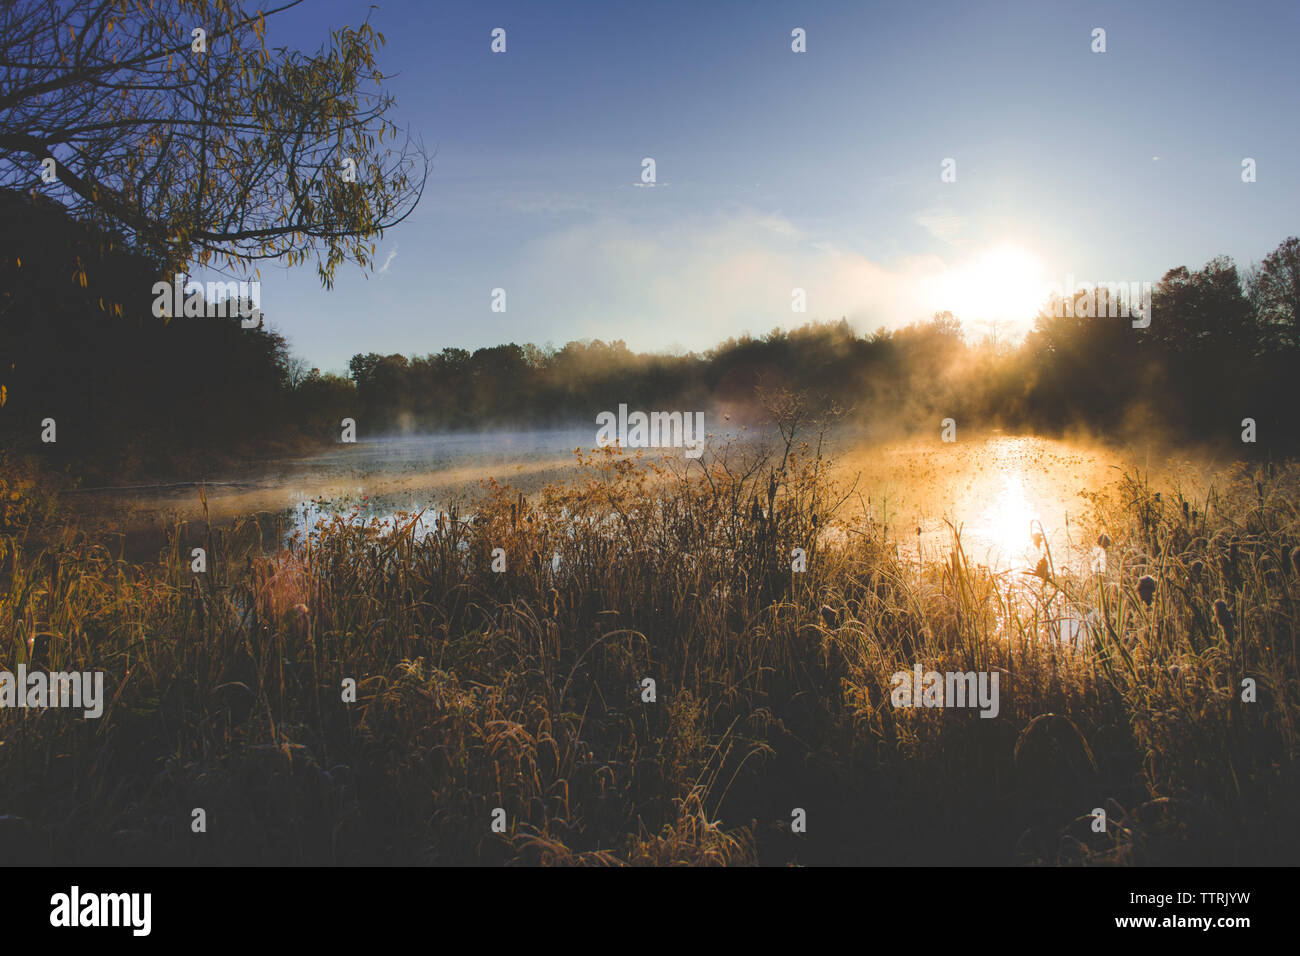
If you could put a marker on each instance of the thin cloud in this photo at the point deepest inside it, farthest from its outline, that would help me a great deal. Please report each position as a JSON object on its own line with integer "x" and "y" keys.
{"x": 702, "y": 280}
{"x": 943, "y": 224}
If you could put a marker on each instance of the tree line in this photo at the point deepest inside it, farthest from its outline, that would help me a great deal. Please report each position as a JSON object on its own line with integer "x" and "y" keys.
{"x": 1222, "y": 345}
{"x": 132, "y": 392}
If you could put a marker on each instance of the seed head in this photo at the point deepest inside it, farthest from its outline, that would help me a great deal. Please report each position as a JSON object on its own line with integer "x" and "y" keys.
{"x": 300, "y": 622}
{"x": 1146, "y": 589}
{"x": 1224, "y": 617}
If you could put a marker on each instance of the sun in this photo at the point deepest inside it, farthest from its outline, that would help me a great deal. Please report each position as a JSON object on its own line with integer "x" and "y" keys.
{"x": 1005, "y": 283}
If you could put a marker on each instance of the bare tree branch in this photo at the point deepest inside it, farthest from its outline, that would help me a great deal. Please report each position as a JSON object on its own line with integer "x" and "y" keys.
{"x": 220, "y": 150}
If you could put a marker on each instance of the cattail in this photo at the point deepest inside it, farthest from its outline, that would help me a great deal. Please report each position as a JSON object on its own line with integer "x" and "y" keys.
{"x": 1103, "y": 541}
{"x": 1146, "y": 589}
{"x": 1037, "y": 538}
{"x": 553, "y": 605}
{"x": 756, "y": 512}
{"x": 1042, "y": 570}
{"x": 1269, "y": 570}
{"x": 38, "y": 648}
{"x": 300, "y": 622}
{"x": 829, "y": 617}
{"x": 1224, "y": 617}
{"x": 200, "y": 607}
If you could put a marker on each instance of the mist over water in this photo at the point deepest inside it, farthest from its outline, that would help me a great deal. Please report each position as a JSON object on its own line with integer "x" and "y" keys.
{"x": 1013, "y": 499}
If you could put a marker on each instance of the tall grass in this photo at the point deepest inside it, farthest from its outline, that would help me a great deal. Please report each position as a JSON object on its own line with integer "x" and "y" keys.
{"x": 523, "y": 689}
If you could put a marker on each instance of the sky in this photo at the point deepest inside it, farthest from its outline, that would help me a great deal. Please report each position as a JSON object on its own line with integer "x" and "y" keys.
{"x": 820, "y": 170}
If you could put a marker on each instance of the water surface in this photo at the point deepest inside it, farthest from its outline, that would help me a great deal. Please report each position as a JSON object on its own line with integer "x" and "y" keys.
{"x": 1012, "y": 498}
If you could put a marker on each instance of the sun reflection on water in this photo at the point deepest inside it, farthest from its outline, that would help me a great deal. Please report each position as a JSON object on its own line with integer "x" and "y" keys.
{"x": 1007, "y": 523}
{"x": 1013, "y": 499}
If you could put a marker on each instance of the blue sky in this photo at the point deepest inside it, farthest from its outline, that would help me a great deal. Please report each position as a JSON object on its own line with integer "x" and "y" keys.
{"x": 817, "y": 170}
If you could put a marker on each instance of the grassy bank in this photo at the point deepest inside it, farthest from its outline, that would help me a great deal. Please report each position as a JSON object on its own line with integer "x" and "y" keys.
{"x": 524, "y": 690}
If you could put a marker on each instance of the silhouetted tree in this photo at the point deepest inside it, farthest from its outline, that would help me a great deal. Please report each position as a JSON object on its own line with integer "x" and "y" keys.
{"x": 203, "y": 145}
{"x": 1274, "y": 290}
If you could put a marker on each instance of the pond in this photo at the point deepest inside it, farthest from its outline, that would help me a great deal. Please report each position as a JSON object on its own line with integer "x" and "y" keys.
{"x": 1012, "y": 498}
